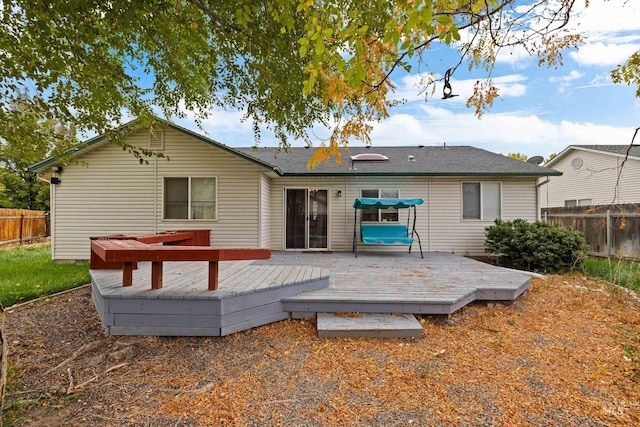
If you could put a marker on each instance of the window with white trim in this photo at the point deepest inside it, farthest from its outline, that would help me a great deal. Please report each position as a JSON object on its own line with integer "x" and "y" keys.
{"x": 379, "y": 215}
{"x": 481, "y": 201}
{"x": 577, "y": 202}
{"x": 190, "y": 198}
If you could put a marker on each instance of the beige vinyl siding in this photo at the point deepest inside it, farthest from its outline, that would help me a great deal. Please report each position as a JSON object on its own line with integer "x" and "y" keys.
{"x": 238, "y": 190}
{"x": 439, "y": 220}
{"x": 265, "y": 211}
{"x": 595, "y": 180}
{"x": 519, "y": 199}
{"x": 629, "y": 190}
{"x": 449, "y": 233}
{"x": 113, "y": 193}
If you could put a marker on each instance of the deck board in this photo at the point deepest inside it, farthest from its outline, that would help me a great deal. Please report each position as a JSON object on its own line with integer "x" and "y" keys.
{"x": 253, "y": 293}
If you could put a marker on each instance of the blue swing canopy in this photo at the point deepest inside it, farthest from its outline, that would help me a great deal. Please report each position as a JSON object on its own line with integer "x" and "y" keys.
{"x": 388, "y": 233}
{"x": 366, "y": 203}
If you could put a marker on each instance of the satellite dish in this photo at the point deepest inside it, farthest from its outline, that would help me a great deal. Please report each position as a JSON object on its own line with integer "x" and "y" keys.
{"x": 536, "y": 160}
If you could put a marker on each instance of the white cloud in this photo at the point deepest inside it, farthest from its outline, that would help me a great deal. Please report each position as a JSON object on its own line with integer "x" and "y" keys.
{"x": 573, "y": 75}
{"x": 505, "y": 132}
{"x": 597, "y": 81}
{"x": 604, "y": 19}
{"x": 564, "y": 82}
{"x": 611, "y": 30}
{"x": 509, "y": 86}
{"x": 604, "y": 54}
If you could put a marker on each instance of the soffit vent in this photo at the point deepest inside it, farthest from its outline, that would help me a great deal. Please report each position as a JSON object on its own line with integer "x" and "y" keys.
{"x": 156, "y": 140}
{"x": 369, "y": 157}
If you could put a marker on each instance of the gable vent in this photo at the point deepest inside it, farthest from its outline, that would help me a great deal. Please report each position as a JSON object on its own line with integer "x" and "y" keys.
{"x": 576, "y": 163}
{"x": 369, "y": 157}
{"x": 156, "y": 140}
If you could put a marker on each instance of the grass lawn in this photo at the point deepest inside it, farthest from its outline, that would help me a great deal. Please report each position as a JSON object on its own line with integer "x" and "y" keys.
{"x": 27, "y": 272}
{"x": 623, "y": 273}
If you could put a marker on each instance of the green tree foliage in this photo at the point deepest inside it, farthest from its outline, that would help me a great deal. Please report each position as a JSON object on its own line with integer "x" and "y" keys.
{"x": 518, "y": 156}
{"x": 629, "y": 72}
{"x": 551, "y": 157}
{"x": 534, "y": 246}
{"x": 289, "y": 65}
{"x": 27, "y": 136}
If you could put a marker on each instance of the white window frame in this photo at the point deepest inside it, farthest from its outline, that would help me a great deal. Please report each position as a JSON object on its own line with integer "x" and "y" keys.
{"x": 482, "y": 218}
{"x": 380, "y": 211}
{"x": 189, "y": 201}
{"x": 578, "y": 202}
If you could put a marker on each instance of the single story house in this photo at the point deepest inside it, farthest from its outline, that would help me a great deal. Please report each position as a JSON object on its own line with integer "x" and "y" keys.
{"x": 269, "y": 199}
{"x": 590, "y": 176}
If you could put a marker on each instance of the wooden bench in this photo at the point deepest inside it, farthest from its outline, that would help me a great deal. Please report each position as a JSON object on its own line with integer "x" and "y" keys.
{"x": 127, "y": 253}
{"x": 178, "y": 237}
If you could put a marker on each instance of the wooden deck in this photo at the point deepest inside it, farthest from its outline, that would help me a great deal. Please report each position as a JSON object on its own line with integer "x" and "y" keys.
{"x": 248, "y": 296}
{"x": 293, "y": 284}
{"x": 441, "y": 283}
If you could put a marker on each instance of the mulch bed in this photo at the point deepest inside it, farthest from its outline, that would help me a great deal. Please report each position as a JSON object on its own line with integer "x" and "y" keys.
{"x": 566, "y": 353}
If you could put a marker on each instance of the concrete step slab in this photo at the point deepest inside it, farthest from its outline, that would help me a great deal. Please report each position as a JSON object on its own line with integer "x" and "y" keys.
{"x": 368, "y": 325}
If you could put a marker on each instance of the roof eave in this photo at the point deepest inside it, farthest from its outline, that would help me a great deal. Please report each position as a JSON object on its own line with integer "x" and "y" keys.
{"x": 437, "y": 174}
{"x": 91, "y": 144}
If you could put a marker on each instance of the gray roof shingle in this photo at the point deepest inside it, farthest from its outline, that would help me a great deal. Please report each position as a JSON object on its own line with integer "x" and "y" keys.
{"x": 429, "y": 160}
{"x": 620, "y": 149}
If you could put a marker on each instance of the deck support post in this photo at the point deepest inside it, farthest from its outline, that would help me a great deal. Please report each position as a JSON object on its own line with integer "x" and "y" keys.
{"x": 156, "y": 275}
{"x": 213, "y": 275}
{"x": 127, "y": 273}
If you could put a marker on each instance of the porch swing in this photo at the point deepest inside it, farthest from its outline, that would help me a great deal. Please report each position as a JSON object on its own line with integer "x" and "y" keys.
{"x": 387, "y": 233}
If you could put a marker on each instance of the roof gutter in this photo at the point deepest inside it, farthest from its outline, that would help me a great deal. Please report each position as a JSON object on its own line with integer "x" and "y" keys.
{"x": 436, "y": 174}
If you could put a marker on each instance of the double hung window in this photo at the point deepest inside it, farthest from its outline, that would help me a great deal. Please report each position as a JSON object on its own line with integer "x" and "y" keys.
{"x": 379, "y": 215}
{"x": 481, "y": 200}
{"x": 190, "y": 198}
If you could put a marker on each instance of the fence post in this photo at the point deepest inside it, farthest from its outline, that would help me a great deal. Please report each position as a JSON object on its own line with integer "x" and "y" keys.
{"x": 608, "y": 234}
{"x": 546, "y": 217}
{"x": 47, "y": 224}
{"x": 21, "y": 225}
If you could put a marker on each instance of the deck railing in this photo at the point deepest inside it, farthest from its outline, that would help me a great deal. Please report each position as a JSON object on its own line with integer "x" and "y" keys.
{"x": 23, "y": 225}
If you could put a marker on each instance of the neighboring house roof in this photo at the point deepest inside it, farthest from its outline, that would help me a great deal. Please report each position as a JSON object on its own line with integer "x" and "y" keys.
{"x": 618, "y": 150}
{"x": 427, "y": 160}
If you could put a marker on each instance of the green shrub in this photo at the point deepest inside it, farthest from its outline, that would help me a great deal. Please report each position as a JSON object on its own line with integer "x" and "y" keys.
{"x": 534, "y": 246}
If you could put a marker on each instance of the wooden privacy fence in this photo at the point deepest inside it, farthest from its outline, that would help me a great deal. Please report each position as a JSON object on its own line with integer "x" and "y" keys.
{"x": 610, "y": 230}
{"x": 20, "y": 225}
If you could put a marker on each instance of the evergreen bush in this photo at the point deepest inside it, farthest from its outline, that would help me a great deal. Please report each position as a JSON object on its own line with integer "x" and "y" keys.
{"x": 534, "y": 246}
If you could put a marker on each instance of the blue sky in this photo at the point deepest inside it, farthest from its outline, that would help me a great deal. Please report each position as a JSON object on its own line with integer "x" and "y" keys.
{"x": 540, "y": 110}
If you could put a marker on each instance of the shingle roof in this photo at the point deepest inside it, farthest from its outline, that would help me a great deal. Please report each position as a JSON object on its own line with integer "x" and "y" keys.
{"x": 620, "y": 149}
{"x": 429, "y": 160}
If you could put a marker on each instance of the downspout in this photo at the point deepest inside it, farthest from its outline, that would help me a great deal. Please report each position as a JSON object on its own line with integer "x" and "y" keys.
{"x": 346, "y": 227}
{"x": 260, "y": 199}
{"x": 429, "y": 215}
{"x": 155, "y": 194}
{"x": 538, "y": 207}
{"x": 52, "y": 213}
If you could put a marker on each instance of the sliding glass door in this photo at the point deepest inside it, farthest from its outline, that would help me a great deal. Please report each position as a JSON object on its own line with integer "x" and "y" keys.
{"x": 306, "y": 218}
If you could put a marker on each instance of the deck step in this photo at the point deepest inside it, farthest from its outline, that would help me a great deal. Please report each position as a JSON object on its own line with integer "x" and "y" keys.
{"x": 368, "y": 325}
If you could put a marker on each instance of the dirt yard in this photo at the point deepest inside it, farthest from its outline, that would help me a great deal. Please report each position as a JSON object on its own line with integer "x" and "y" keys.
{"x": 566, "y": 353}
